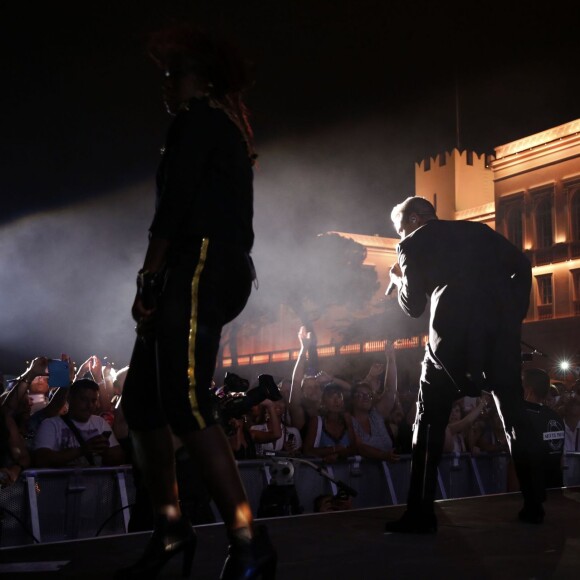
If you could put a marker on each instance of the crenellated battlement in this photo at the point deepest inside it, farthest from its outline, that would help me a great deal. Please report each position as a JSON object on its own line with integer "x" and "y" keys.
{"x": 455, "y": 181}
{"x": 465, "y": 157}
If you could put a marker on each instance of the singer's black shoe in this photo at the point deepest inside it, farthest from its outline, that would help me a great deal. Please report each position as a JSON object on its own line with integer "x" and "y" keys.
{"x": 248, "y": 559}
{"x": 169, "y": 539}
{"x": 531, "y": 514}
{"x": 413, "y": 524}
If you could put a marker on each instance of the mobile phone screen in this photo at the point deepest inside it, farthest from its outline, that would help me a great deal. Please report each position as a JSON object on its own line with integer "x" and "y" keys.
{"x": 58, "y": 375}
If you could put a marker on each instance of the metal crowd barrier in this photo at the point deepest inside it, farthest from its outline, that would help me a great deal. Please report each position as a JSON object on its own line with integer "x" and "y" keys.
{"x": 48, "y": 505}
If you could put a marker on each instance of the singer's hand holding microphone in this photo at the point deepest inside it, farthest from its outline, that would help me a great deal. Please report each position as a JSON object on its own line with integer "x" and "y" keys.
{"x": 396, "y": 275}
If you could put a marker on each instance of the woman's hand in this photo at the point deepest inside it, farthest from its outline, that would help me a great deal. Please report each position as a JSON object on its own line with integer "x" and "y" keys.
{"x": 376, "y": 370}
{"x": 139, "y": 312}
{"x": 83, "y": 369}
{"x": 96, "y": 368}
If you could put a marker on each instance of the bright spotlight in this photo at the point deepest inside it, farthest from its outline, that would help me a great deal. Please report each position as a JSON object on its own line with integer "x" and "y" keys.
{"x": 564, "y": 365}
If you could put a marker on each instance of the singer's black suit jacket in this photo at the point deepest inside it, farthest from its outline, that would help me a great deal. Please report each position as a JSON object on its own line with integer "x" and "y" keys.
{"x": 479, "y": 284}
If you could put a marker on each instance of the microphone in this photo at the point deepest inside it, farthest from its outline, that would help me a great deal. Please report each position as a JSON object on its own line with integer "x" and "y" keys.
{"x": 390, "y": 289}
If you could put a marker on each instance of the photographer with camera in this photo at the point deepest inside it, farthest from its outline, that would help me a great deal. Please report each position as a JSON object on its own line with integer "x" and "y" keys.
{"x": 254, "y": 429}
{"x": 242, "y": 408}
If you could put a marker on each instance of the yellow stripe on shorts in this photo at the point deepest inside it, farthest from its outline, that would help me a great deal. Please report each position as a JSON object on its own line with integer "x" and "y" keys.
{"x": 193, "y": 332}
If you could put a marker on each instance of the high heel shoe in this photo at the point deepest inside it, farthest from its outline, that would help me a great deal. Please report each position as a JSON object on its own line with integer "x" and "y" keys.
{"x": 249, "y": 559}
{"x": 170, "y": 537}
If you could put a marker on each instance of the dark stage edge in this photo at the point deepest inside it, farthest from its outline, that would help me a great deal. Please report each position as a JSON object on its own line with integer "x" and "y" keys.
{"x": 477, "y": 538}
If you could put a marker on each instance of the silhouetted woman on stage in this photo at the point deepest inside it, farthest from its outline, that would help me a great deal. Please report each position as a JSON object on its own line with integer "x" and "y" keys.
{"x": 196, "y": 277}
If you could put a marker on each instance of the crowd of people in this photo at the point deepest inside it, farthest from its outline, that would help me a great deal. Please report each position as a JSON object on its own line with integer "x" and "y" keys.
{"x": 81, "y": 423}
{"x": 75, "y": 423}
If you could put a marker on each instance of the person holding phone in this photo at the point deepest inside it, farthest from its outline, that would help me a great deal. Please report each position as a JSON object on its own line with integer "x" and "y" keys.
{"x": 79, "y": 438}
{"x": 28, "y": 402}
{"x": 34, "y": 380}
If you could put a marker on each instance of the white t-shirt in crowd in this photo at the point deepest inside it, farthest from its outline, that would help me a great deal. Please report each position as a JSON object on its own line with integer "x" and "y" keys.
{"x": 277, "y": 445}
{"x": 56, "y": 435}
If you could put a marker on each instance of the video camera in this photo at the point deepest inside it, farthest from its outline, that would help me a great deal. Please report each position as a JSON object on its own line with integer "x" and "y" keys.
{"x": 235, "y": 398}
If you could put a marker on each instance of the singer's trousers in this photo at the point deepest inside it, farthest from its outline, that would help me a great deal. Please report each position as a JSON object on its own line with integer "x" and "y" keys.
{"x": 437, "y": 393}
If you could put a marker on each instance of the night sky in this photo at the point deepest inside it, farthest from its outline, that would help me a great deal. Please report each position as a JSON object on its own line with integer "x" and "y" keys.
{"x": 348, "y": 96}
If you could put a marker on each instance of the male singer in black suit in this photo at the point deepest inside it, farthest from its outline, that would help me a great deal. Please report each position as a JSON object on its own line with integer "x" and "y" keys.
{"x": 479, "y": 285}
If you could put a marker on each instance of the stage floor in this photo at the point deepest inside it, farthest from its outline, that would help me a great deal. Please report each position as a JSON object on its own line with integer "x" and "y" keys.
{"x": 478, "y": 538}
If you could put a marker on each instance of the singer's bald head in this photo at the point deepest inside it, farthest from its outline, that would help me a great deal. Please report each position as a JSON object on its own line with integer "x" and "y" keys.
{"x": 411, "y": 214}
{"x": 417, "y": 205}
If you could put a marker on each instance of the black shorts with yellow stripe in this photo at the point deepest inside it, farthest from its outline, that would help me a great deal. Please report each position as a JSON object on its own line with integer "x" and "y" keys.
{"x": 170, "y": 373}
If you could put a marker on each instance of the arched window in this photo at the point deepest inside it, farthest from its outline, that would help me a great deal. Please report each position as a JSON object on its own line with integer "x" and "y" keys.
{"x": 545, "y": 291}
{"x": 545, "y": 296}
{"x": 544, "y": 234}
{"x": 514, "y": 226}
{"x": 575, "y": 216}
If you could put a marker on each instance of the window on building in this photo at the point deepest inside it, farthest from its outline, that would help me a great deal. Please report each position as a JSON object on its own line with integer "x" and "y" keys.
{"x": 576, "y": 291}
{"x": 544, "y": 234}
{"x": 514, "y": 226}
{"x": 575, "y": 215}
{"x": 469, "y": 157}
{"x": 545, "y": 293}
{"x": 442, "y": 160}
{"x": 576, "y": 283}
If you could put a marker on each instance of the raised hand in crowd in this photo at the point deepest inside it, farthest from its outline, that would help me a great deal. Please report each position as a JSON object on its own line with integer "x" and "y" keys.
{"x": 373, "y": 377}
{"x": 305, "y": 337}
{"x": 103, "y": 376}
{"x": 298, "y": 414}
{"x": 21, "y": 385}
